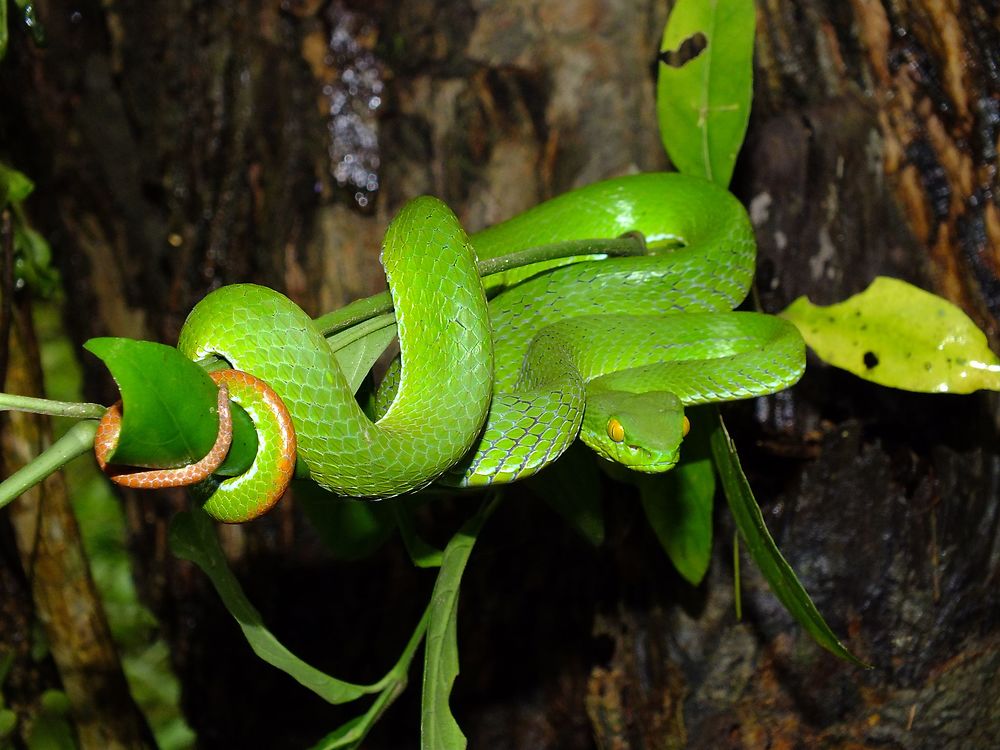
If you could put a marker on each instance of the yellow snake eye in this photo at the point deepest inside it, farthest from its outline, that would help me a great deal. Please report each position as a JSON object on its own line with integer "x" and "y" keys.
{"x": 685, "y": 427}
{"x": 615, "y": 430}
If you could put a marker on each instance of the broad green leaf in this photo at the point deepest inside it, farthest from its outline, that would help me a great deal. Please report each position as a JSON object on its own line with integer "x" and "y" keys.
{"x": 169, "y": 403}
{"x": 356, "y": 356}
{"x": 703, "y": 104}
{"x": 438, "y": 728}
{"x": 678, "y": 504}
{"x": 572, "y": 488}
{"x": 351, "y": 529}
{"x": 782, "y": 579}
{"x": 898, "y": 335}
{"x": 192, "y": 537}
{"x": 14, "y": 185}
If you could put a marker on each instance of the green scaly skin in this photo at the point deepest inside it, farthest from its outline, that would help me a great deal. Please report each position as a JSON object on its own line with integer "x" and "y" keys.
{"x": 536, "y": 411}
{"x": 444, "y": 334}
{"x": 550, "y": 362}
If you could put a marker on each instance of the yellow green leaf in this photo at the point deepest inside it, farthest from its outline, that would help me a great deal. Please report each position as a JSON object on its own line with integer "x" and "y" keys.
{"x": 898, "y": 335}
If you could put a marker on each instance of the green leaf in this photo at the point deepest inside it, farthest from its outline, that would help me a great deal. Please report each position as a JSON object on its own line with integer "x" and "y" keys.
{"x": 31, "y": 22}
{"x": 14, "y": 185}
{"x": 8, "y": 723}
{"x": 51, "y": 729}
{"x": 782, "y": 579}
{"x": 438, "y": 728}
{"x": 352, "y": 529}
{"x": 357, "y": 355}
{"x": 243, "y": 449}
{"x": 192, "y": 537}
{"x": 898, "y": 335}
{"x": 33, "y": 260}
{"x": 422, "y": 553}
{"x": 678, "y": 504}
{"x": 703, "y": 104}
{"x": 3, "y": 52}
{"x": 352, "y": 733}
{"x": 169, "y": 403}
{"x": 572, "y": 488}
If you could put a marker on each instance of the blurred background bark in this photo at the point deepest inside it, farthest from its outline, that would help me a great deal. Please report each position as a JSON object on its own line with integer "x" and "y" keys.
{"x": 180, "y": 146}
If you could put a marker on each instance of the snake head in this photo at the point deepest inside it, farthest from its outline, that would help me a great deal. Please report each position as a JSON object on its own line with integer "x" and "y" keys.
{"x": 641, "y": 431}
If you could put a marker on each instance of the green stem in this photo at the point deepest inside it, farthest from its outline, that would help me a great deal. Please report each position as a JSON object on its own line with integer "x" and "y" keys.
{"x": 78, "y": 440}
{"x": 391, "y": 687}
{"x": 380, "y": 304}
{"x": 363, "y": 328}
{"x": 72, "y": 409}
{"x": 353, "y": 314}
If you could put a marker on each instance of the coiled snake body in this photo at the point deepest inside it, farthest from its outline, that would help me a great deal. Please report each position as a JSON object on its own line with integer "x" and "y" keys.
{"x": 598, "y": 343}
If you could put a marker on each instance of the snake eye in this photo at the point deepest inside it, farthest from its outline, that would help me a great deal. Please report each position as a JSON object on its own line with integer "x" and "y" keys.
{"x": 615, "y": 430}
{"x": 685, "y": 427}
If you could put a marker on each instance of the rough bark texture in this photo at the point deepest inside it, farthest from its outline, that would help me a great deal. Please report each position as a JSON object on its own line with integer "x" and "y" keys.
{"x": 184, "y": 146}
{"x": 53, "y": 565}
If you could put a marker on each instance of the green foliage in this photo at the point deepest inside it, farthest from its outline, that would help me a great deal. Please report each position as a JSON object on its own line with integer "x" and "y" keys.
{"x": 703, "y": 104}
{"x": 51, "y": 728}
{"x": 357, "y": 350}
{"x": 897, "y": 335}
{"x": 192, "y": 537}
{"x": 14, "y": 186}
{"x": 351, "y": 529}
{"x": 438, "y": 728}
{"x": 8, "y": 719}
{"x": 422, "y": 554}
{"x": 764, "y": 551}
{"x": 32, "y": 254}
{"x": 678, "y": 504}
{"x": 4, "y": 35}
{"x": 572, "y": 488}
{"x": 102, "y": 526}
{"x": 27, "y": 8}
{"x": 168, "y": 414}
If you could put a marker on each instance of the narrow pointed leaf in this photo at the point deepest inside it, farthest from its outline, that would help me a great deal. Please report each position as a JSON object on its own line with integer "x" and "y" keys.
{"x": 192, "y": 537}
{"x": 438, "y": 728}
{"x": 782, "y": 579}
{"x": 356, "y": 357}
{"x": 703, "y": 103}
{"x": 898, "y": 335}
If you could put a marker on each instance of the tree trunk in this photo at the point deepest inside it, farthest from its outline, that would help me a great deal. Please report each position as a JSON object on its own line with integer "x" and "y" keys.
{"x": 183, "y": 146}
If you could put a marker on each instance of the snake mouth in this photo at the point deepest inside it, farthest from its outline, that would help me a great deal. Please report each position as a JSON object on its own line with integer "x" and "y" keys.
{"x": 645, "y": 462}
{"x": 658, "y": 467}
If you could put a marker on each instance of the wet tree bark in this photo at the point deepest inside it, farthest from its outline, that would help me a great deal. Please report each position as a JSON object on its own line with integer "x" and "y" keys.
{"x": 184, "y": 146}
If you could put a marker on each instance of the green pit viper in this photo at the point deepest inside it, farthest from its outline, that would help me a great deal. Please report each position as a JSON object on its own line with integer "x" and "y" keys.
{"x": 491, "y": 392}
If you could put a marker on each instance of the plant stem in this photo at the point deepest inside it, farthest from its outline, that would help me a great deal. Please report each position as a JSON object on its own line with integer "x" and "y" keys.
{"x": 77, "y": 441}
{"x": 380, "y": 304}
{"x": 72, "y": 409}
{"x": 351, "y": 315}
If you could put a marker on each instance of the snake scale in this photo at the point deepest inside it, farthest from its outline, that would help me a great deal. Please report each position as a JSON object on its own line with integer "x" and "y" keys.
{"x": 491, "y": 391}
